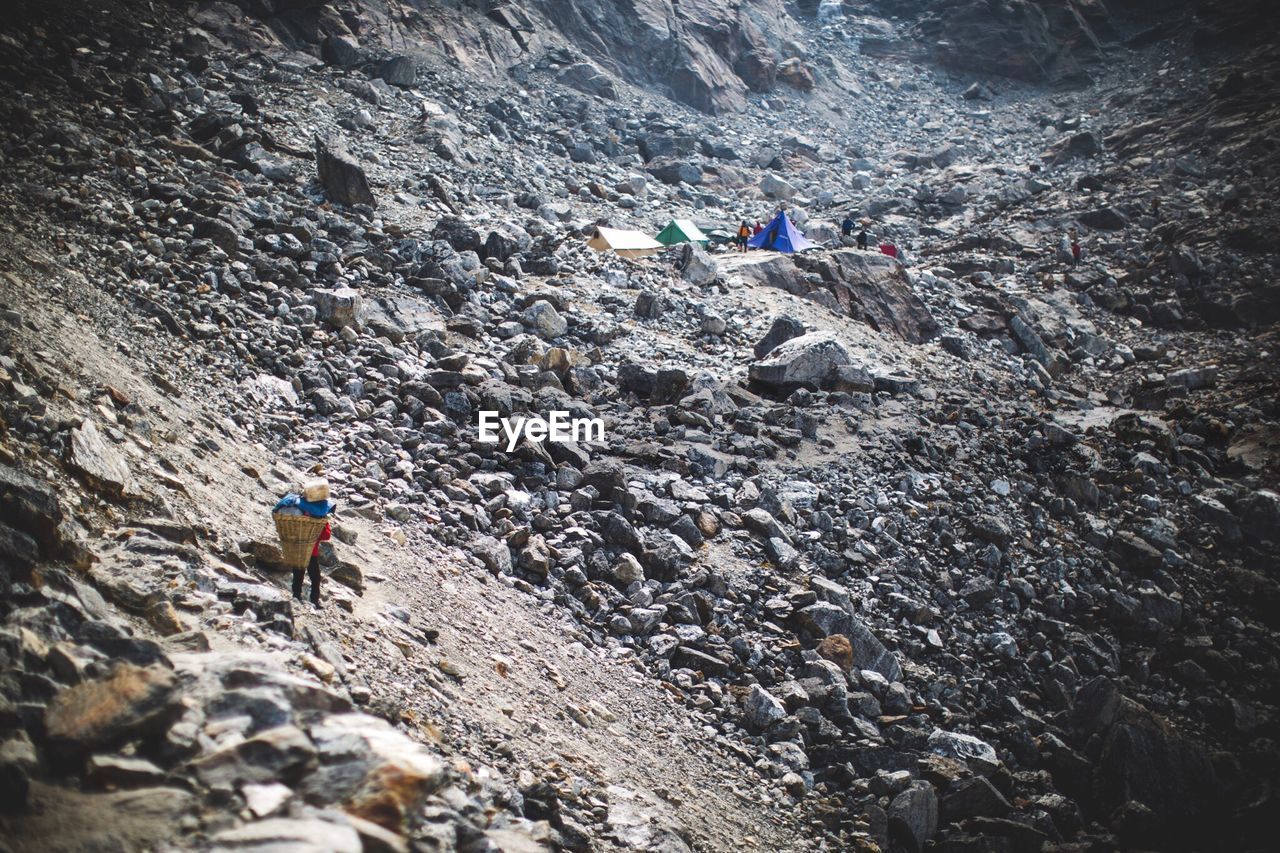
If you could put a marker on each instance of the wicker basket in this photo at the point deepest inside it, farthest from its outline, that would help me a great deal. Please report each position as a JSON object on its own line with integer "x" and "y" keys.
{"x": 298, "y": 537}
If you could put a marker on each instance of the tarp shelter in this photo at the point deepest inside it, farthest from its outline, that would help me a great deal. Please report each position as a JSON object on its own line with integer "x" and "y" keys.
{"x": 781, "y": 236}
{"x": 720, "y": 235}
{"x": 629, "y": 244}
{"x": 682, "y": 231}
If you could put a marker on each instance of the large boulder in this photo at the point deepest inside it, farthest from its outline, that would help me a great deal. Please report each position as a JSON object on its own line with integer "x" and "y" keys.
{"x": 763, "y": 709}
{"x": 340, "y": 50}
{"x": 811, "y": 359}
{"x": 131, "y": 702}
{"x": 399, "y": 71}
{"x": 586, "y": 77}
{"x": 774, "y": 187}
{"x": 544, "y": 320}
{"x": 876, "y": 290}
{"x": 343, "y": 179}
{"x": 696, "y": 265}
{"x": 676, "y": 172}
{"x": 913, "y": 817}
{"x": 1103, "y": 219}
{"x": 340, "y": 307}
{"x": 1144, "y": 759}
{"x": 372, "y": 770}
{"x": 783, "y": 329}
{"x": 99, "y": 463}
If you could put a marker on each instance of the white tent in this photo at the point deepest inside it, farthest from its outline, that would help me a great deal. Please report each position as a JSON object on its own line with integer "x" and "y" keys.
{"x": 629, "y": 244}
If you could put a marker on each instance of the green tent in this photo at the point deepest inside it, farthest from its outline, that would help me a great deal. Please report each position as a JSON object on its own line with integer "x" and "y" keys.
{"x": 682, "y": 231}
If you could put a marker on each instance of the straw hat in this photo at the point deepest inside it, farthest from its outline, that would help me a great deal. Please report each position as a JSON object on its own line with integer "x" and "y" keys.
{"x": 314, "y": 491}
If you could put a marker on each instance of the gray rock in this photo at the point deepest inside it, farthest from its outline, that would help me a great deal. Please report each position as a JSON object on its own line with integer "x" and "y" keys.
{"x": 102, "y": 466}
{"x": 399, "y": 71}
{"x": 298, "y": 835}
{"x": 1103, "y": 219}
{"x": 343, "y": 179}
{"x": 774, "y": 187}
{"x": 339, "y": 308}
{"x": 762, "y": 709}
{"x": 810, "y": 359}
{"x": 696, "y": 265}
{"x": 974, "y": 797}
{"x": 783, "y": 329}
{"x": 913, "y": 817}
{"x": 586, "y": 77}
{"x": 544, "y": 320}
{"x": 340, "y": 50}
{"x": 978, "y": 754}
{"x": 627, "y": 570}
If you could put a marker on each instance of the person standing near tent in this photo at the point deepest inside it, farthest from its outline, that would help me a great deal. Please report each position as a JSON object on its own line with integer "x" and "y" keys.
{"x": 744, "y": 234}
{"x": 757, "y": 229}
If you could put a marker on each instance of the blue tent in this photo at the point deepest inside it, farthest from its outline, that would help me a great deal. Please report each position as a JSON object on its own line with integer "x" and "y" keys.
{"x": 781, "y": 236}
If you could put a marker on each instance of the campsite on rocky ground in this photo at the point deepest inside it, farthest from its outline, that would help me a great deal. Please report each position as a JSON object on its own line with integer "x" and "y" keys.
{"x": 750, "y": 426}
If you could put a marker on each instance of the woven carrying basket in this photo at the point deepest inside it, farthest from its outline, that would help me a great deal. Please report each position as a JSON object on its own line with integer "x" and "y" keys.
{"x": 298, "y": 536}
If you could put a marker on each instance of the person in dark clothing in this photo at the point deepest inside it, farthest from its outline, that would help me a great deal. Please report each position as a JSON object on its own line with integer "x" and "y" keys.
{"x": 846, "y": 227}
{"x": 862, "y": 240}
{"x": 1075, "y": 252}
{"x": 313, "y": 570}
{"x": 314, "y": 502}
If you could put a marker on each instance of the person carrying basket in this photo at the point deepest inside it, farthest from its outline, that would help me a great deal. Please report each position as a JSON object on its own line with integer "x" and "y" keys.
{"x": 302, "y": 523}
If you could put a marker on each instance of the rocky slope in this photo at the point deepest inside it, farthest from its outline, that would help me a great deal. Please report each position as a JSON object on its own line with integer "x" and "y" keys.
{"x": 971, "y": 553}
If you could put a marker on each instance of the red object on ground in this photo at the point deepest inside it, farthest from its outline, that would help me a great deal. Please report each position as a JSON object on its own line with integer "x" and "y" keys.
{"x": 324, "y": 537}
{"x": 889, "y": 249}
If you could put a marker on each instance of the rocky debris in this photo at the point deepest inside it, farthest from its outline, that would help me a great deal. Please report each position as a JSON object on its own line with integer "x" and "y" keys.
{"x": 892, "y": 566}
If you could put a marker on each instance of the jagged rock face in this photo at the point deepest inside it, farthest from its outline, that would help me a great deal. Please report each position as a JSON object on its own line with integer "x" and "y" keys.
{"x": 1021, "y": 39}
{"x": 875, "y": 289}
{"x": 868, "y": 286}
{"x": 709, "y": 54}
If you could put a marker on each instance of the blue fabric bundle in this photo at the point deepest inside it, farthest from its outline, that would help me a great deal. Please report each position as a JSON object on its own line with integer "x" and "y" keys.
{"x": 292, "y": 504}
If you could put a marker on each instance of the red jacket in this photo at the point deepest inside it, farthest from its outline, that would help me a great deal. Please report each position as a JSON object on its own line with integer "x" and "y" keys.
{"x": 324, "y": 537}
